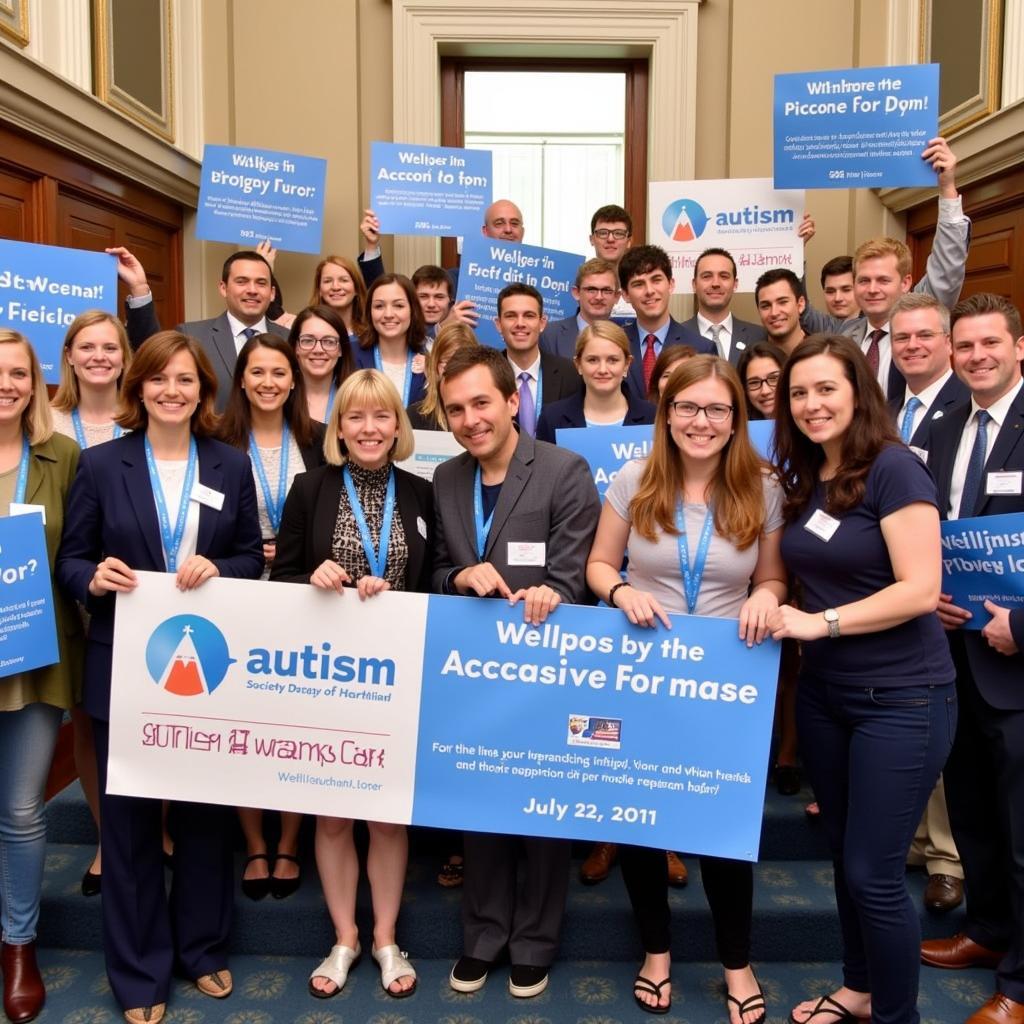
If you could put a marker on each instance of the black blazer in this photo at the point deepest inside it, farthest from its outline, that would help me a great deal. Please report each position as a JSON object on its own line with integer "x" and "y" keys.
{"x": 311, "y": 510}
{"x": 569, "y": 413}
{"x": 950, "y": 395}
{"x": 997, "y": 676}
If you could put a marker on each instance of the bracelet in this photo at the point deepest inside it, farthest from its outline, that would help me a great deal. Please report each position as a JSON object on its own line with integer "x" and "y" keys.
{"x": 611, "y": 593}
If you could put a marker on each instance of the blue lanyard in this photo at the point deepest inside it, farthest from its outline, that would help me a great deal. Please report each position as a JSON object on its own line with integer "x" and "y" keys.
{"x": 692, "y": 577}
{"x": 483, "y": 526}
{"x": 377, "y": 560}
{"x": 76, "y": 422}
{"x": 274, "y": 508}
{"x": 172, "y": 541}
{"x": 379, "y": 364}
{"x": 21, "y": 484}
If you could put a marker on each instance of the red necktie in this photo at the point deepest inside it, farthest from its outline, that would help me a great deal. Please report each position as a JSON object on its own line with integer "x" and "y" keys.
{"x": 650, "y": 358}
{"x": 872, "y": 353}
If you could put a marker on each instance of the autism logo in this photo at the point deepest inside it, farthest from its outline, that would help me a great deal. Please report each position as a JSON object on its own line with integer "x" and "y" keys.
{"x": 684, "y": 220}
{"x": 187, "y": 655}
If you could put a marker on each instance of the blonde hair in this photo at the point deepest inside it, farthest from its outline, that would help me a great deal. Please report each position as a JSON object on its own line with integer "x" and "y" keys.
{"x": 68, "y": 392}
{"x": 605, "y": 330}
{"x": 879, "y": 248}
{"x": 36, "y": 421}
{"x": 451, "y": 336}
{"x": 367, "y": 388}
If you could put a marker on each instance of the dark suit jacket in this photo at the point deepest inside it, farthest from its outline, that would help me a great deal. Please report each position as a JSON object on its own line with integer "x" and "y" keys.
{"x": 950, "y": 395}
{"x": 678, "y": 334}
{"x": 997, "y": 677}
{"x": 548, "y": 497}
{"x": 569, "y": 413}
{"x": 111, "y": 512}
{"x": 311, "y": 510}
{"x": 363, "y": 358}
{"x": 559, "y": 338}
{"x": 744, "y": 334}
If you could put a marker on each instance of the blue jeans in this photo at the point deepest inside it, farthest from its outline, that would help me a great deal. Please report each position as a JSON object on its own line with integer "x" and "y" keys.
{"x": 27, "y": 739}
{"x": 873, "y": 755}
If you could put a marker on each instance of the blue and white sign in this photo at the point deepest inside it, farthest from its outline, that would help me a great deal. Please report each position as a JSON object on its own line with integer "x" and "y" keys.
{"x": 586, "y": 727}
{"x": 983, "y": 560}
{"x": 762, "y": 437}
{"x": 429, "y": 190}
{"x": 606, "y": 449}
{"x": 251, "y": 195}
{"x": 28, "y": 629}
{"x": 489, "y": 265}
{"x": 44, "y": 287}
{"x": 855, "y": 128}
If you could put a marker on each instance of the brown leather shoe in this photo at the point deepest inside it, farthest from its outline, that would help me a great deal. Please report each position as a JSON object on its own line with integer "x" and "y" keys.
{"x": 678, "y": 876}
{"x": 998, "y": 1010}
{"x": 24, "y": 993}
{"x": 597, "y": 865}
{"x": 958, "y": 952}
{"x": 943, "y": 892}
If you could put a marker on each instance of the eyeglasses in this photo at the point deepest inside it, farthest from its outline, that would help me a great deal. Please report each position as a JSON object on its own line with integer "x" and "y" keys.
{"x": 605, "y": 233}
{"x": 716, "y": 412}
{"x": 754, "y": 384}
{"x": 592, "y": 291}
{"x": 306, "y": 342}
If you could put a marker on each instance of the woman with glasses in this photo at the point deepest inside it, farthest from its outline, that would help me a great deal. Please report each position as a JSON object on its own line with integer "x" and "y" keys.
{"x": 394, "y": 342}
{"x": 703, "y": 499}
{"x": 320, "y": 341}
{"x": 759, "y": 368}
{"x": 338, "y": 284}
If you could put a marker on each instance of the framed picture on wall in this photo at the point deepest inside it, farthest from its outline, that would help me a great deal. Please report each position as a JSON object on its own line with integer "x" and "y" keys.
{"x": 14, "y": 20}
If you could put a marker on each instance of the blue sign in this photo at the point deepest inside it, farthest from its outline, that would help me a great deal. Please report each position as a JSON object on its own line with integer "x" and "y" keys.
{"x": 762, "y": 437}
{"x": 28, "y": 630}
{"x": 856, "y": 128}
{"x": 590, "y": 728}
{"x": 489, "y": 265}
{"x": 251, "y": 195}
{"x": 429, "y": 190}
{"x": 44, "y": 287}
{"x": 983, "y": 560}
{"x": 607, "y": 449}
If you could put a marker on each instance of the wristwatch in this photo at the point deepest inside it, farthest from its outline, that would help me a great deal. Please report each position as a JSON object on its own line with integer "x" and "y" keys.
{"x": 832, "y": 621}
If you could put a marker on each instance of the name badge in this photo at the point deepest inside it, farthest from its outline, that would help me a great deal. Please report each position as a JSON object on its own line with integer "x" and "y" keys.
{"x": 822, "y": 525}
{"x": 521, "y": 552}
{"x": 921, "y": 453}
{"x": 1004, "y": 483}
{"x": 19, "y": 508}
{"x": 208, "y": 496}
{"x": 421, "y": 527}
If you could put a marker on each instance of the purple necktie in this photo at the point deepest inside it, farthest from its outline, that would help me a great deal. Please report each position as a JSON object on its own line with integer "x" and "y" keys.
{"x": 527, "y": 415}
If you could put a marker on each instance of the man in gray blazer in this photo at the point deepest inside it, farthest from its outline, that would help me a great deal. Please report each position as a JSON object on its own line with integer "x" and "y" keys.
{"x": 514, "y": 519}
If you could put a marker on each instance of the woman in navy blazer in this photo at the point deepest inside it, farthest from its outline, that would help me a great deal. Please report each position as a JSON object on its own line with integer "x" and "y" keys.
{"x": 395, "y": 341}
{"x": 602, "y": 359}
{"x": 112, "y": 530}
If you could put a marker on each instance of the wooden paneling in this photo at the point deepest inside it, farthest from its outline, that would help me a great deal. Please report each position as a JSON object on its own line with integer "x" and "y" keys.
{"x": 18, "y": 206}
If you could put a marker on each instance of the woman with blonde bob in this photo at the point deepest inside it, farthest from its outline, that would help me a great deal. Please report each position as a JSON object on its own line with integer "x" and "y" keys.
{"x": 360, "y": 522}
{"x": 428, "y": 414}
{"x": 36, "y": 467}
{"x": 703, "y": 500}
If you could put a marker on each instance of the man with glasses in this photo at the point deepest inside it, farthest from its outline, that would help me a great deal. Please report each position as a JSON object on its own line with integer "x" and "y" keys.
{"x": 779, "y": 297}
{"x": 596, "y": 290}
{"x": 611, "y": 234}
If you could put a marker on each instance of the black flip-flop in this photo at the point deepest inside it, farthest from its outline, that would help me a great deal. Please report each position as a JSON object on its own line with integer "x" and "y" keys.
{"x": 837, "y": 1013}
{"x": 647, "y": 986}
{"x": 749, "y": 1005}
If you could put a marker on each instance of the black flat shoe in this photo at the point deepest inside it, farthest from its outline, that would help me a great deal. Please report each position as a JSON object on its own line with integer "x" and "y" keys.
{"x": 282, "y": 888}
{"x": 91, "y": 882}
{"x": 787, "y": 779}
{"x": 255, "y": 888}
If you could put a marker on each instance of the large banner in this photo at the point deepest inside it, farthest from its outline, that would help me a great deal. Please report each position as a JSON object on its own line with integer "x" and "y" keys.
{"x": 429, "y": 190}
{"x": 28, "y": 629}
{"x": 44, "y": 287}
{"x": 443, "y": 711}
{"x": 747, "y": 216}
{"x": 488, "y": 265}
{"x": 983, "y": 560}
{"x": 250, "y": 195}
{"x": 859, "y": 127}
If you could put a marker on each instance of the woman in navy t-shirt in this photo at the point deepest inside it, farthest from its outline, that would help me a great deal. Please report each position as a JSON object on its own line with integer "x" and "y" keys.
{"x": 876, "y": 706}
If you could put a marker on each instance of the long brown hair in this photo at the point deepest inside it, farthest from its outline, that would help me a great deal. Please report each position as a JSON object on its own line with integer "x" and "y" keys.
{"x": 800, "y": 459}
{"x": 416, "y": 336}
{"x": 737, "y": 492}
{"x": 68, "y": 392}
{"x": 451, "y": 336}
{"x": 358, "y": 310}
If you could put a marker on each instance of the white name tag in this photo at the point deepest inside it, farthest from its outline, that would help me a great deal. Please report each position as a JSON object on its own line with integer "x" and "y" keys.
{"x": 921, "y": 453}
{"x": 822, "y": 525}
{"x": 1004, "y": 483}
{"x": 521, "y": 552}
{"x": 421, "y": 527}
{"x": 19, "y": 508}
{"x": 208, "y": 496}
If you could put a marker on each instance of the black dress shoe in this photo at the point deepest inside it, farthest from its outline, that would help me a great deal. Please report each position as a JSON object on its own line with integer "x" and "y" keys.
{"x": 281, "y": 888}
{"x": 787, "y": 779}
{"x": 255, "y": 888}
{"x": 91, "y": 882}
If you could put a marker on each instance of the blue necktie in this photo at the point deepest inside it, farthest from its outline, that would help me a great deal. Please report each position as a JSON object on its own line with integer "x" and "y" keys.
{"x": 907, "y": 423}
{"x": 975, "y": 467}
{"x": 527, "y": 416}
{"x": 250, "y": 333}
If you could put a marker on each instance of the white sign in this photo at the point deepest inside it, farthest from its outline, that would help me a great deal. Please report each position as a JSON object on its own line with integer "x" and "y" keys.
{"x": 746, "y": 216}
{"x": 432, "y": 448}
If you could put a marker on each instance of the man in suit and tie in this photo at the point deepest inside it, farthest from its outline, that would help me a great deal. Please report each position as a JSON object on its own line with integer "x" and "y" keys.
{"x": 976, "y": 455}
{"x": 714, "y": 284}
{"x": 645, "y": 276}
{"x": 780, "y": 301}
{"x": 515, "y": 519}
{"x": 596, "y": 290}
{"x": 541, "y": 378}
